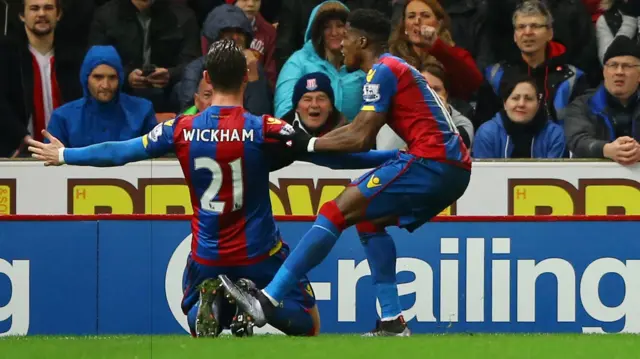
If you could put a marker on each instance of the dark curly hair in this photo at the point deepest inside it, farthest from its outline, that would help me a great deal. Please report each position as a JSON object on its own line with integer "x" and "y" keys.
{"x": 373, "y": 24}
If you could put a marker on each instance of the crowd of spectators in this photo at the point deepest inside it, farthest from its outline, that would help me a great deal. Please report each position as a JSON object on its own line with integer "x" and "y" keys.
{"x": 520, "y": 78}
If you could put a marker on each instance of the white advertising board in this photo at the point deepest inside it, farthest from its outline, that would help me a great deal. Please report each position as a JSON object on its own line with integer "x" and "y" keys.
{"x": 157, "y": 187}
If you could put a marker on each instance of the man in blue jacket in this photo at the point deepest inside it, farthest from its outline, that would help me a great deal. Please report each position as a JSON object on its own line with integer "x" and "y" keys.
{"x": 104, "y": 113}
{"x": 605, "y": 123}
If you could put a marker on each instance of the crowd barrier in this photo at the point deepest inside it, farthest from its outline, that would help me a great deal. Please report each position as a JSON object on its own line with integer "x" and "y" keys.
{"x": 94, "y": 275}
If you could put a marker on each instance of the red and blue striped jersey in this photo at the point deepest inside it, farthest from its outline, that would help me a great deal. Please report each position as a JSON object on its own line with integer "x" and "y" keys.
{"x": 226, "y": 168}
{"x": 416, "y": 112}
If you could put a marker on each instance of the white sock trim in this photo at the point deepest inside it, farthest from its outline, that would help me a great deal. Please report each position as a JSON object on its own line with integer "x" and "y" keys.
{"x": 389, "y": 319}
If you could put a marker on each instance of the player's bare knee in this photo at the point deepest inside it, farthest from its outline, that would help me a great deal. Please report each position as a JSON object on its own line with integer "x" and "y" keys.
{"x": 352, "y": 204}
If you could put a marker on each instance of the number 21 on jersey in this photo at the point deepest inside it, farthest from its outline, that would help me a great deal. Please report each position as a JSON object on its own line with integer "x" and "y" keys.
{"x": 207, "y": 201}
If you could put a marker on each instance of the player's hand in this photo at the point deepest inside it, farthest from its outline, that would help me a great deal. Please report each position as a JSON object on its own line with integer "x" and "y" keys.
{"x": 429, "y": 36}
{"x": 296, "y": 139}
{"x": 47, "y": 152}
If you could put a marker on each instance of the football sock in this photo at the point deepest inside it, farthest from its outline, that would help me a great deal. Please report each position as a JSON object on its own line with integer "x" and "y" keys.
{"x": 292, "y": 319}
{"x": 312, "y": 249}
{"x": 381, "y": 255}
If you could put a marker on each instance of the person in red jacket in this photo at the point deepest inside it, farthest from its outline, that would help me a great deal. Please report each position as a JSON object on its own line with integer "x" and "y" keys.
{"x": 423, "y": 34}
{"x": 264, "y": 37}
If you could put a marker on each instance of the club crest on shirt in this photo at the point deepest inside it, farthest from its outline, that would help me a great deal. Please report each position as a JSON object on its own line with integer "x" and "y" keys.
{"x": 273, "y": 121}
{"x": 156, "y": 132}
{"x": 371, "y": 92}
{"x": 311, "y": 84}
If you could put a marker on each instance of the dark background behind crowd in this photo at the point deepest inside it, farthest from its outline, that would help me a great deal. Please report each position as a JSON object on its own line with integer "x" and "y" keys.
{"x": 520, "y": 79}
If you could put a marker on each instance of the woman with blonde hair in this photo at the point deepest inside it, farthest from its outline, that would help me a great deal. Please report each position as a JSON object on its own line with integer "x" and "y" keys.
{"x": 423, "y": 35}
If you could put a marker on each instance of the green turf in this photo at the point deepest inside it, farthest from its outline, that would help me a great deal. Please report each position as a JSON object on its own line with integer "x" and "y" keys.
{"x": 326, "y": 347}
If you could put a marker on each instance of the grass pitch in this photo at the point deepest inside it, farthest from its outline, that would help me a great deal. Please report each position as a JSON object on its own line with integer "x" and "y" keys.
{"x": 614, "y": 346}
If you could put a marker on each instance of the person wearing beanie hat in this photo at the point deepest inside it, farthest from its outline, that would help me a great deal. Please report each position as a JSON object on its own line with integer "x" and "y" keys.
{"x": 621, "y": 46}
{"x": 605, "y": 123}
{"x": 620, "y": 65}
{"x": 322, "y": 53}
{"x": 313, "y": 108}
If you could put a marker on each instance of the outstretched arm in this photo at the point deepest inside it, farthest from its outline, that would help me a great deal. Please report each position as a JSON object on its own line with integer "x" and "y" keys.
{"x": 358, "y": 136}
{"x": 108, "y": 154}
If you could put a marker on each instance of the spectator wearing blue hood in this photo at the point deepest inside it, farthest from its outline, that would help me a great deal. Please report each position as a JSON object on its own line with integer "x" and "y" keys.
{"x": 105, "y": 113}
{"x": 322, "y": 53}
{"x": 229, "y": 22}
{"x": 522, "y": 129}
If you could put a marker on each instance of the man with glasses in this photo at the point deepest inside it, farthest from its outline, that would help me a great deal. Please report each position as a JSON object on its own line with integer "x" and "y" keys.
{"x": 541, "y": 58}
{"x": 605, "y": 123}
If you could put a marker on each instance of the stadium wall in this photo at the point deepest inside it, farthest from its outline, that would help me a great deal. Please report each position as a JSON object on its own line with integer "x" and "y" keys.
{"x": 90, "y": 275}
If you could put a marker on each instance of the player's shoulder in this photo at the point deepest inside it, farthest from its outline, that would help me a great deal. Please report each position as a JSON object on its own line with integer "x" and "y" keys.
{"x": 180, "y": 120}
{"x": 388, "y": 66}
{"x": 392, "y": 62}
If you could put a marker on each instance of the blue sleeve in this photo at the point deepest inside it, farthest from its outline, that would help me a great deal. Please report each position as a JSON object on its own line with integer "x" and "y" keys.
{"x": 557, "y": 144}
{"x": 379, "y": 89}
{"x": 483, "y": 143}
{"x": 58, "y": 128}
{"x": 109, "y": 154}
{"x": 343, "y": 161}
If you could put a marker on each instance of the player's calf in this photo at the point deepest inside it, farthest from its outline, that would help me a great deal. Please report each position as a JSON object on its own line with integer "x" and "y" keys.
{"x": 207, "y": 320}
{"x": 381, "y": 254}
